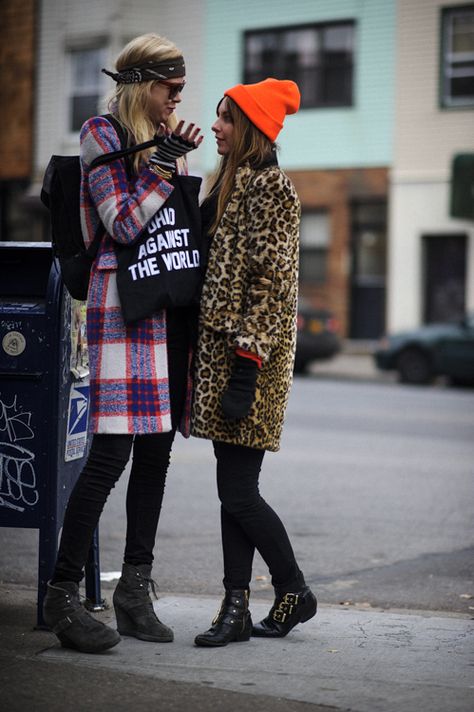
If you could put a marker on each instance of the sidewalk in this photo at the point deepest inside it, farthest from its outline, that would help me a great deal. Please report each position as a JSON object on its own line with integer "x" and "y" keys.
{"x": 354, "y": 362}
{"x": 364, "y": 660}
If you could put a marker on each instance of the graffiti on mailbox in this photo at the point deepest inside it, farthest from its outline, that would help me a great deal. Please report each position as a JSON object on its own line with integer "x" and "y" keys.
{"x": 17, "y": 470}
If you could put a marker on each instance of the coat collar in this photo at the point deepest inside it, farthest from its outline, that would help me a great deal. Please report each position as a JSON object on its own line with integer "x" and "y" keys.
{"x": 243, "y": 177}
{"x": 270, "y": 160}
{"x": 245, "y": 172}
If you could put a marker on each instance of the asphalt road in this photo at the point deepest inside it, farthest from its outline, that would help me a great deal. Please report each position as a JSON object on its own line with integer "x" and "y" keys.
{"x": 374, "y": 482}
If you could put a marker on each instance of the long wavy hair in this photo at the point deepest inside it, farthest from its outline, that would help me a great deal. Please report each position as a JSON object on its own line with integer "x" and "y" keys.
{"x": 249, "y": 145}
{"x": 129, "y": 102}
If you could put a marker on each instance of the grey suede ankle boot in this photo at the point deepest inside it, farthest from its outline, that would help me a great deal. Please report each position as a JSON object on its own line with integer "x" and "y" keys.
{"x": 134, "y": 607}
{"x": 72, "y": 624}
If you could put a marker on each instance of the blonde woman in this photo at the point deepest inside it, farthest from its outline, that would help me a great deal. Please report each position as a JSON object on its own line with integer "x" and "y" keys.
{"x": 139, "y": 381}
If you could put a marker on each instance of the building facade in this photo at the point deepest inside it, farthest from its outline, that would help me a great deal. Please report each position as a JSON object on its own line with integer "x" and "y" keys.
{"x": 75, "y": 40}
{"x": 387, "y": 108}
{"x": 338, "y": 148}
{"x": 431, "y": 253}
{"x": 17, "y": 91}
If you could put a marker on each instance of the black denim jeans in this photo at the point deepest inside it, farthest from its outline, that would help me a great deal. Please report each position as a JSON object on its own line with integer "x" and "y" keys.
{"x": 249, "y": 523}
{"x": 108, "y": 457}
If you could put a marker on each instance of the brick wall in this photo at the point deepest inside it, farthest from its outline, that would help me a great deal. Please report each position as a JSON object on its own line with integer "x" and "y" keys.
{"x": 334, "y": 191}
{"x": 17, "y": 51}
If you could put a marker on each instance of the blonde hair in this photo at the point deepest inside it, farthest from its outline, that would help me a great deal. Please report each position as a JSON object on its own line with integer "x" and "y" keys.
{"x": 129, "y": 102}
{"x": 249, "y": 145}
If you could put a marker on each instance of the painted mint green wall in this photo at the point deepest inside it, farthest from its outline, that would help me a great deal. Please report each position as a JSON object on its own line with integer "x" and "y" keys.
{"x": 314, "y": 138}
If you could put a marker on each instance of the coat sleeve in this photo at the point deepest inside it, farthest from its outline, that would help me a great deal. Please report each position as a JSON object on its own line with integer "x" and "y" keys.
{"x": 123, "y": 210}
{"x": 272, "y": 243}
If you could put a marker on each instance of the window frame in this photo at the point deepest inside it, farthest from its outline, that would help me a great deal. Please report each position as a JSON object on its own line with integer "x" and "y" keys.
{"x": 96, "y": 44}
{"x": 360, "y": 224}
{"x": 319, "y": 28}
{"x": 315, "y": 249}
{"x": 445, "y": 100}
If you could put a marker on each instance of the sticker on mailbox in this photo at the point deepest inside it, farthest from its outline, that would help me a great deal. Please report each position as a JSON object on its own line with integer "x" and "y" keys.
{"x": 14, "y": 343}
{"x": 76, "y": 437}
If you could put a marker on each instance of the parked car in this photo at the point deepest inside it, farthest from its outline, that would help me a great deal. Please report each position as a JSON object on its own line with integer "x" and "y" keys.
{"x": 317, "y": 336}
{"x": 432, "y": 350}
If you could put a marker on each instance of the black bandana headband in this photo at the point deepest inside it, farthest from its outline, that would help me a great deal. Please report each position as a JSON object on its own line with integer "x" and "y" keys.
{"x": 150, "y": 71}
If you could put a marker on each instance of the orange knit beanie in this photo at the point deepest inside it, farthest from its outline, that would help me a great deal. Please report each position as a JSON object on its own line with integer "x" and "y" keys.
{"x": 267, "y": 103}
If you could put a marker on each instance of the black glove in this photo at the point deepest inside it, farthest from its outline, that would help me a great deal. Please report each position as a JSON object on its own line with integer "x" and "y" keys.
{"x": 237, "y": 400}
{"x": 169, "y": 149}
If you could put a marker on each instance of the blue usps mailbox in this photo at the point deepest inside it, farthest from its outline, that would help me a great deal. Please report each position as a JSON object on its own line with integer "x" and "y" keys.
{"x": 43, "y": 405}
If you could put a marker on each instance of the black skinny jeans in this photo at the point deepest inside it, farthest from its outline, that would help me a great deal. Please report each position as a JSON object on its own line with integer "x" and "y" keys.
{"x": 249, "y": 523}
{"x": 108, "y": 457}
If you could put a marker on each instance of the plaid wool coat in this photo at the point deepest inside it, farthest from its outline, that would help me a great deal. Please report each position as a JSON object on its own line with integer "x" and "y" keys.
{"x": 129, "y": 390}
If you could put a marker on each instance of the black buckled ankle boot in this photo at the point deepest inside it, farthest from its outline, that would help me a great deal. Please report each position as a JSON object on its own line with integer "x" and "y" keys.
{"x": 134, "y": 608}
{"x": 72, "y": 624}
{"x": 232, "y": 624}
{"x": 288, "y": 610}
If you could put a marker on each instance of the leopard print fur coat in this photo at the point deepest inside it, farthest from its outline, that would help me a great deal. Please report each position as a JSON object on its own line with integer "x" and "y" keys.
{"x": 249, "y": 301}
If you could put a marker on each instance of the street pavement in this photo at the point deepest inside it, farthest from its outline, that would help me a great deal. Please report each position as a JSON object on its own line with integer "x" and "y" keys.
{"x": 364, "y": 660}
{"x": 349, "y": 657}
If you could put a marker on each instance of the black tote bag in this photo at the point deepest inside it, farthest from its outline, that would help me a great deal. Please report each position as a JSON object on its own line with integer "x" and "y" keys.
{"x": 60, "y": 193}
{"x": 163, "y": 267}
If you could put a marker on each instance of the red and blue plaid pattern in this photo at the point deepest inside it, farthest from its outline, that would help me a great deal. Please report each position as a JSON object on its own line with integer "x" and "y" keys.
{"x": 106, "y": 195}
{"x": 129, "y": 390}
{"x": 128, "y": 364}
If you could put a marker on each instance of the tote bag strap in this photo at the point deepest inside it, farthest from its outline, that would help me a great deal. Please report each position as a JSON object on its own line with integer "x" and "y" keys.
{"x": 114, "y": 156}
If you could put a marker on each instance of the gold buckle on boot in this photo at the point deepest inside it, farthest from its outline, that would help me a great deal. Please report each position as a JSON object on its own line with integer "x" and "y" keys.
{"x": 285, "y": 607}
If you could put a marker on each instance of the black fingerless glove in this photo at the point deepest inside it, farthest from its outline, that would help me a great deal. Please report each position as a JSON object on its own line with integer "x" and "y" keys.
{"x": 237, "y": 400}
{"x": 169, "y": 150}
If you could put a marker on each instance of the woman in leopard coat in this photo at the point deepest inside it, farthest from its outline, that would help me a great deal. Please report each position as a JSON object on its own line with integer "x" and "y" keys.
{"x": 245, "y": 354}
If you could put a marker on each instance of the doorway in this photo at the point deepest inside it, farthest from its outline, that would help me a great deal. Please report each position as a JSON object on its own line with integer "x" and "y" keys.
{"x": 444, "y": 268}
{"x": 368, "y": 272}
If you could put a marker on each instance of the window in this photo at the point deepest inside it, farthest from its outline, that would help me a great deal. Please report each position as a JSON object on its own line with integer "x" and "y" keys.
{"x": 314, "y": 243}
{"x": 16, "y": 222}
{"x": 445, "y": 276}
{"x": 369, "y": 228}
{"x": 457, "y": 56}
{"x": 319, "y": 58}
{"x": 86, "y": 84}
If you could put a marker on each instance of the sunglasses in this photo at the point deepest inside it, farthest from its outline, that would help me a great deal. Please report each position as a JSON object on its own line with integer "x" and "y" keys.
{"x": 174, "y": 89}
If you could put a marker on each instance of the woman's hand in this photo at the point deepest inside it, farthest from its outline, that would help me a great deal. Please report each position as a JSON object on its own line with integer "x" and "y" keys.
{"x": 238, "y": 398}
{"x": 176, "y": 143}
{"x": 192, "y": 134}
